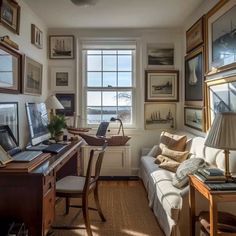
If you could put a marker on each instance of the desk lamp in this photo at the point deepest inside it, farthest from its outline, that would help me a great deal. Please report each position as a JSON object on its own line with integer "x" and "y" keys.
{"x": 121, "y": 124}
{"x": 52, "y": 103}
{"x": 222, "y": 135}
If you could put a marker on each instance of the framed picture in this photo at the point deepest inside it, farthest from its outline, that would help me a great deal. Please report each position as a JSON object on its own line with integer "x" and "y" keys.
{"x": 36, "y": 36}
{"x": 195, "y": 35}
{"x": 158, "y": 56}
{"x": 194, "y": 118}
{"x": 9, "y": 116}
{"x": 161, "y": 85}
{"x": 194, "y": 76}
{"x": 68, "y": 102}
{"x": 10, "y": 70}
{"x": 221, "y": 38}
{"x": 10, "y": 15}
{"x": 221, "y": 97}
{"x": 62, "y": 79}
{"x": 61, "y": 46}
{"x": 160, "y": 115}
{"x": 33, "y": 77}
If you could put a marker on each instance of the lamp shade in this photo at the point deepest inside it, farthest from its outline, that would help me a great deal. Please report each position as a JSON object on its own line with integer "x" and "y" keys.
{"x": 53, "y": 103}
{"x": 222, "y": 134}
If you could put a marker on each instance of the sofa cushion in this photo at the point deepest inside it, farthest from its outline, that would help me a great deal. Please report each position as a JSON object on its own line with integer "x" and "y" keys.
{"x": 171, "y": 141}
{"x": 175, "y": 155}
{"x": 187, "y": 167}
{"x": 167, "y": 194}
{"x": 170, "y": 165}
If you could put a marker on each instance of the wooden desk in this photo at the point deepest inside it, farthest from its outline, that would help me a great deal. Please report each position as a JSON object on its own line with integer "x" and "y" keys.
{"x": 214, "y": 197}
{"x": 27, "y": 190}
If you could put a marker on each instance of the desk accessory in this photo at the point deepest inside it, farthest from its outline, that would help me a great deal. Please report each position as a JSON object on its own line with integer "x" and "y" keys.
{"x": 52, "y": 103}
{"x": 222, "y": 135}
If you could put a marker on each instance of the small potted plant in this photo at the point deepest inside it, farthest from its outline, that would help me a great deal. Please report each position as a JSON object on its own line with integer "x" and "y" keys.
{"x": 56, "y": 126}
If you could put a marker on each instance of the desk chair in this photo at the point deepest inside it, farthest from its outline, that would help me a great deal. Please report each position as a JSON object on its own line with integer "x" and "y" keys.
{"x": 81, "y": 187}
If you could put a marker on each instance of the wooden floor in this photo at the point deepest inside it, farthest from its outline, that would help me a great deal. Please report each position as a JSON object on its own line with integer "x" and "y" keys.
{"x": 125, "y": 207}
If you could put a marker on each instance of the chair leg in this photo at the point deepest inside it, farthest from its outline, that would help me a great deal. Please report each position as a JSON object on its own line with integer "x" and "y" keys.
{"x": 96, "y": 198}
{"x": 67, "y": 205}
{"x": 86, "y": 215}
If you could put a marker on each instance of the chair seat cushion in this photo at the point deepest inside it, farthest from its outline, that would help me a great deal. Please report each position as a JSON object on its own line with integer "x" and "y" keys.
{"x": 70, "y": 184}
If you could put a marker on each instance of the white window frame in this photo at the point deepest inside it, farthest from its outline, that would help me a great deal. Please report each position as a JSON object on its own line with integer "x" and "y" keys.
{"x": 111, "y": 45}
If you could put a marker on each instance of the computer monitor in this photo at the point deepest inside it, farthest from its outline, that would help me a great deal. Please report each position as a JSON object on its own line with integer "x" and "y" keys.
{"x": 38, "y": 122}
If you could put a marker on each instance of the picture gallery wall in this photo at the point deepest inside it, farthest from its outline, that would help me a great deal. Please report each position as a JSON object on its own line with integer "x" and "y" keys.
{"x": 210, "y": 63}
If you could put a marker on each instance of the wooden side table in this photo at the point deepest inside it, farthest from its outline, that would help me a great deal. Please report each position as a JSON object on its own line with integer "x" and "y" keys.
{"x": 214, "y": 197}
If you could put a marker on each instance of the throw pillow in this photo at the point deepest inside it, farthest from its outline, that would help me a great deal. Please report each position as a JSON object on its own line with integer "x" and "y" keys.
{"x": 171, "y": 141}
{"x": 175, "y": 155}
{"x": 170, "y": 165}
{"x": 186, "y": 168}
{"x": 161, "y": 159}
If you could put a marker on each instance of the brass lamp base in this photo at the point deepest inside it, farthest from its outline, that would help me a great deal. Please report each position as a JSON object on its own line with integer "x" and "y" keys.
{"x": 228, "y": 175}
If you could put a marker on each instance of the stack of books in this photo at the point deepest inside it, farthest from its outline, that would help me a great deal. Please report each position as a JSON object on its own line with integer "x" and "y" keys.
{"x": 211, "y": 175}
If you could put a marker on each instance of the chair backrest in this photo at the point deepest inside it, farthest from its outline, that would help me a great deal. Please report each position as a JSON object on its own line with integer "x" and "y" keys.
{"x": 91, "y": 181}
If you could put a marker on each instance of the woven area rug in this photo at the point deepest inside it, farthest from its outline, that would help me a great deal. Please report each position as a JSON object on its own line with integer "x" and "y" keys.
{"x": 125, "y": 207}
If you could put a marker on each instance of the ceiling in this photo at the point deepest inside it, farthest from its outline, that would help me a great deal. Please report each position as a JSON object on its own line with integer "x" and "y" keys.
{"x": 114, "y": 13}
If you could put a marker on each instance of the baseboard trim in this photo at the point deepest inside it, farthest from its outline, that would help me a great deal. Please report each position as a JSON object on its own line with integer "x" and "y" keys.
{"x": 119, "y": 178}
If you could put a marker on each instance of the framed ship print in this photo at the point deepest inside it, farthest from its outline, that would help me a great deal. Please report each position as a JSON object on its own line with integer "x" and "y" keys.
{"x": 160, "y": 115}
{"x": 61, "y": 46}
{"x": 161, "y": 85}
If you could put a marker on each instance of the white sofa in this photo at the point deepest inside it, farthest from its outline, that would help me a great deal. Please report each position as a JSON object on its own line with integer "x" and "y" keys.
{"x": 170, "y": 205}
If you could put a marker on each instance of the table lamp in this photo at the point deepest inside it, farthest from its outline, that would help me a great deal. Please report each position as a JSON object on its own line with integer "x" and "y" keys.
{"x": 222, "y": 135}
{"x": 52, "y": 103}
{"x": 121, "y": 125}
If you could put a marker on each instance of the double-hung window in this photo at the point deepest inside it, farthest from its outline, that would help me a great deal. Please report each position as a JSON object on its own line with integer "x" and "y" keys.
{"x": 109, "y": 85}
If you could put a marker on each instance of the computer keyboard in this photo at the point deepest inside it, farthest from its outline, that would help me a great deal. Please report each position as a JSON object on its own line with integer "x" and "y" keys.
{"x": 26, "y": 156}
{"x": 54, "y": 148}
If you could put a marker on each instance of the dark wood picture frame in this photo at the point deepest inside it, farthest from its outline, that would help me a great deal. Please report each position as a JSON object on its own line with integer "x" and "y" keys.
{"x": 10, "y": 15}
{"x": 196, "y": 122}
{"x": 195, "y": 35}
{"x": 66, "y": 98}
{"x": 194, "y": 77}
{"x": 12, "y": 121}
{"x": 214, "y": 18}
{"x": 61, "y": 47}
{"x": 168, "y": 80}
{"x": 16, "y": 71}
{"x": 36, "y": 36}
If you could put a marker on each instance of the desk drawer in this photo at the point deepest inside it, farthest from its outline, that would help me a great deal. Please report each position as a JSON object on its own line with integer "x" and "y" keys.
{"x": 48, "y": 209}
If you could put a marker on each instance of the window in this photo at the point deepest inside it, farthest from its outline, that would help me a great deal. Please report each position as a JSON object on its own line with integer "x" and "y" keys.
{"x": 109, "y": 85}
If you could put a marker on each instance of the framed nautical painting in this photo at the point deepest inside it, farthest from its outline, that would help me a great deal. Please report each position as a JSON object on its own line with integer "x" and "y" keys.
{"x": 160, "y": 115}
{"x": 61, "y": 46}
{"x": 221, "y": 97}
{"x": 68, "y": 102}
{"x": 194, "y": 118}
{"x": 221, "y": 37}
{"x": 194, "y": 76}
{"x": 161, "y": 85}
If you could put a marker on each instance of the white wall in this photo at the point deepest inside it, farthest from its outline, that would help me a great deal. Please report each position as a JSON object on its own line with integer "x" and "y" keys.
{"x": 140, "y": 137}
{"x": 24, "y": 41}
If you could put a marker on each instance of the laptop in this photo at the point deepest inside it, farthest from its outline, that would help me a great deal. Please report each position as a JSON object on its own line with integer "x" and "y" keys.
{"x": 9, "y": 144}
{"x": 102, "y": 129}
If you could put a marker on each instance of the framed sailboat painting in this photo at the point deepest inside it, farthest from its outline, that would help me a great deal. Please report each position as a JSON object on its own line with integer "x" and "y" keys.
{"x": 61, "y": 46}
{"x": 194, "y": 77}
{"x": 194, "y": 118}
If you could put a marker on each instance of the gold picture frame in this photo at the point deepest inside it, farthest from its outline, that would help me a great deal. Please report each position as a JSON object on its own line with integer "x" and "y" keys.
{"x": 220, "y": 97}
{"x": 220, "y": 47}
{"x": 195, "y": 35}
